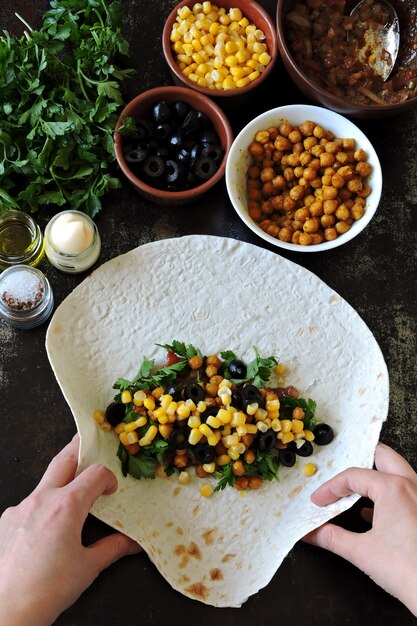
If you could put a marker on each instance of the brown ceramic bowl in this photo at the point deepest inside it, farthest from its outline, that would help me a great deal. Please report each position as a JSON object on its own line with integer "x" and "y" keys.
{"x": 227, "y": 97}
{"x": 140, "y": 107}
{"x": 316, "y": 93}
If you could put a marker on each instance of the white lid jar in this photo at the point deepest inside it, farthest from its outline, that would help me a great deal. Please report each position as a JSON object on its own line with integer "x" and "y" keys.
{"x": 72, "y": 241}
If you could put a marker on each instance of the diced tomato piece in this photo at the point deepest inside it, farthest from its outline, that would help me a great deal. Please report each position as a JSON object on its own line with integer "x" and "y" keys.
{"x": 172, "y": 358}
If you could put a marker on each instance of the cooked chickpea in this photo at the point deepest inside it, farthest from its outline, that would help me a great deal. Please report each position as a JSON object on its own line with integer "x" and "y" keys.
{"x": 282, "y": 143}
{"x": 342, "y": 227}
{"x": 307, "y": 128}
{"x": 330, "y": 234}
{"x": 329, "y": 192}
{"x": 296, "y": 237}
{"x": 326, "y": 159}
{"x": 363, "y": 168}
{"x": 304, "y": 239}
{"x": 305, "y": 158}
{"x": 311, "y": 225}
{"x": 316, "y": 208}
{"x": 359, "y": 155}
{"x": 297, "y": 192}
{"x": 195, "y": 362}
{"x": 342, "y": 212}
{"x": 301, "y": 215}
{"x": 255, "y": 148}
{"x": 354, "y": 185}
{"x": 357, "y": 211}
{"x": 262, "y": 136}
{"x": 327, "y": 220}
{"x": 267, "y": 174}
{"x": 316, "y": 238}
{"x": 295, "y": 136}
{"x": 285, "y": 128}
{"x": 293, "y": 160}
{"x": 309, "y": 142}
{"x": 211, "y": 370}
{"x": 285, "y": 234}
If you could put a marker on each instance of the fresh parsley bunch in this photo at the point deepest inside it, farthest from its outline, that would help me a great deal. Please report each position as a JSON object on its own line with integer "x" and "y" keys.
{"x": 59, "y": 93}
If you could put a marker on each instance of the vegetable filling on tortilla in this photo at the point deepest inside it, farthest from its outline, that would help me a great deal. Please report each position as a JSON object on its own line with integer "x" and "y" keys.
{"x": 226, "y": 419}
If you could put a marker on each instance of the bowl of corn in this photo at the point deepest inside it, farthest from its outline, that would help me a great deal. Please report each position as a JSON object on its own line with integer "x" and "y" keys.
{"x": 223, "y": 50}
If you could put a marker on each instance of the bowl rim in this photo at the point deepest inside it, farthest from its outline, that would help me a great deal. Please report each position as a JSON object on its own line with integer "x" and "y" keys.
{"x": 214, "y": 93}
{"x": 183, "y": 93}
{"x": 342, "y": 103}
{"x": 284, "y": 112}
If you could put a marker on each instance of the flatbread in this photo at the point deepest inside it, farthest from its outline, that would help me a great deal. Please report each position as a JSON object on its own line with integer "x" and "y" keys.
{"x": 218, "y": 294}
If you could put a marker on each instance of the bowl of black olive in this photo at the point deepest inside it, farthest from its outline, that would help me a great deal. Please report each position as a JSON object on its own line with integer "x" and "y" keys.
{"x": 171, "y": 143}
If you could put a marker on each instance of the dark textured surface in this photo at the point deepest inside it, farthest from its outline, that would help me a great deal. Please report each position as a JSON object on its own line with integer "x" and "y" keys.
{"x": 375, "y": 273}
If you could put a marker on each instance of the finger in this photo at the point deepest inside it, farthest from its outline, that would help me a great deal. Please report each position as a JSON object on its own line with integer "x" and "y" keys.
{"x": 110, "y": 549}
{"x": 61, "y": 470}
{"x": 365, "y": 482}
{"x": 340, "y": 541}
{"x": 390, "y": 462}
{"x": 93, "y": 482}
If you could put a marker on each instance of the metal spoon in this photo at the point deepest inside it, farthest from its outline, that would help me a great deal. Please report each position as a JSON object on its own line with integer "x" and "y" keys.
{"x": 377, "y": 42}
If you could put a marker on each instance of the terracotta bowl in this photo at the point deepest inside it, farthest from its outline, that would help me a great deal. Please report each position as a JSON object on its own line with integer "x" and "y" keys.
{"x": 319, "y": 95}
{"x": 226, "y": 97}
{"x": 140, "y": 108}
{"x": 239, "y": 160}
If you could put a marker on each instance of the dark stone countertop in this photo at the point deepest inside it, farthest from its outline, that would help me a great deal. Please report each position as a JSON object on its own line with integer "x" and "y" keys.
{"x": 375, "y": 273}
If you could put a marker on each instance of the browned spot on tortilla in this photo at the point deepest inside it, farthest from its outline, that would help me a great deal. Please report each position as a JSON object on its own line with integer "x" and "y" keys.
{"x": 362, "y": 391}
{"x": 312, "y": 329}
{"x": 243, "y": 521}
{"x": 119, "y": 524}
{"x": 294, "y": 492}
{"x": 179, "y": 531}
{"x": 183, "y": 579}
{"x": 334, "y": 299}
{"x": 159, "y": 551}
{"x": 228, "y": 557}
{"x": 380, "y": 375}
{"x": 374, "y": 419}
{"x": 196, "y": 509}
{"x": 278, "y": 514}
{"x": 180, "y": 549}
{"x": 186, "y": 553}
{"x": 198, "y": 590}
{"x": 155, "y": 533}
{"x": 239, "y": 564}
{"x": 176, "y": 491}
{"x": 208, "y": 536}
{"x": 194, "y": 551}
{"x": 57, "y": 329}
{"x": 216, "y": 574}
{"x": 170, "y": 524}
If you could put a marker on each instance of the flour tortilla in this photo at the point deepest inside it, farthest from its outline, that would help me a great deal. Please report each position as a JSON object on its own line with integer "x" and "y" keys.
{"x": 217, "y": 294}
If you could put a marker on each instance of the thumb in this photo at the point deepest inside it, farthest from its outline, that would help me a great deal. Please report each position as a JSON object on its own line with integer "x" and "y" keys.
{"x": 110, "y": 549}
{"x": 338, "y": 540}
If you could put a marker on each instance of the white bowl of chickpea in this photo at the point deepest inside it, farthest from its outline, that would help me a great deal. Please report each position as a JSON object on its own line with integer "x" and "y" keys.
{"x": 304, "y": 178}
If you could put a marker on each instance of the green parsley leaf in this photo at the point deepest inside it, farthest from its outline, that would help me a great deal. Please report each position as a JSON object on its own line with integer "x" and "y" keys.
{"x": 187, "y": 351}
{"x": 141, "y": 466}
{"x": 226, "y": 477}
{"x": 287, "y": 405}
{"x": 267, "y": 464}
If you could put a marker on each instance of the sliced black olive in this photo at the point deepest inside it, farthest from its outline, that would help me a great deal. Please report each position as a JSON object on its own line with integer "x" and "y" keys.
{"x": 174, "y": 171}
{"x": 183, "y": 156}
{"x": 194, "y": 392}
{"x": 203, "y": 119}
{"x": 191, "y": 123}
{"x": 286, "y": 457}
{"x": 205, "y": 167}
{"x": 323, "y": 434}
{"x": 237, "y": 398}
{"x": 164, "y": 130}
{"x": 181, "y": 109}
{"x": 161, "y": 112}
{"x": 191, "y": 181}
{"x": 144, "y": 129}
{"x": 154, "y": 166}
{"x": 209, "y": 136}
{"x": 115, "y": 413}
{"x": 176, "y": 142}
{"x": 138, "y": 154}
{"x": 252, "y": 394}
{"x": 212, "y": 152}
{"x": 178, "y": 439}
{"x": 174, "y": 392}
{"x": 305, "y": 450}
{"x": 204, "y": 453}
{"x": 210, "y": 410}
{"x": 237, "y": 369}
{"x": 267, "y": 440}
{"x": 160, "y": 150}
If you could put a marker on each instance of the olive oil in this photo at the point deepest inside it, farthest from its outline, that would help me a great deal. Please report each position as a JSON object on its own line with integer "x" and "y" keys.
{"x": 21, "y": 240}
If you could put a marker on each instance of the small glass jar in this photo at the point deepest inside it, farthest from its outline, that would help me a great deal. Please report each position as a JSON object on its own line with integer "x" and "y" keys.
{"x": 62, "y": 234}
{"x": 21, "y": 239}
{"x": 26, "y": 298}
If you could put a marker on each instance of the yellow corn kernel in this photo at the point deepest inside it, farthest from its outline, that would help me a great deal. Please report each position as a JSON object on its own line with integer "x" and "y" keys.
{"x": 242, "y": 56}
{"x": 120, "y": 428}
{"x": 123, "y": 438}
{"x": 272, "y": 405}
{"x": 261, "y": 414}
{"x": 132, "y": 437}
{"x": 237, "y": 72}
{"x": 223, "y": 459}
{"x": 202, "y": 69}
{"x": 226, "y": 399}
{"x": 209, "y": 467}
{"x": 252, "y": 408}
{"x": 206, "y": 7}
{"x": 309, "y": 469}
{"x": 126, "y": 396}
{"x": 201, "y": 406}
{"x": 240, "y": 448}
{"x": 299, "y": 435}
{"x": 138, "y": 397}
{"x": 178, "y": 47}
{"x": 213, "y": 421}
{"x": 308, "y": 435}
{"x": 224, "y": 416}
{"x": 213, "y": 440}
{"x": 183, "y": 478}
{"x": 194, "y": 421}
{"x": 238, "y": 419}
{"x": 165, "y": 401}
{"x": 157, "y": 393}
{"x": 297, "y": 426}
{"x": 141, "y": 421}
{"x": 286, "y": 426}
{"x": 206, "y": 490}
{"x": 231, "y": 60}
{"x": 226, "y": 430}
{"x": 196, "y": 44}
{"x": 264, "y": 58}
{"x": 159, "y": 412}
{"x": 241, "y": 430}
{"x": 259, "y": 48}
{"x": 165, "y": 430}
{"x": 194, "y": 436}
{"x": 206, "y": 430}
{"x": 183, "y": 411}
{"x": 99, "y": 416}
{"x": 252, "y": 429}
{"x": 184, "y": 12}
{"x": 273, "y": 415}
{"x": 230, "y": 440}
{"x": 191, "y": 404}
{"x": 175, "y": 36}
{"x": 252, "y": 63}
{"x": 151, "y": 432}
{"x": 261, "y": 426}
{"x": 231, "y": 47}
{"x": 234, "y": 455}
{"x": 286, "y": 437}
{"x": 172, "y": 407}
{"x": 244, "y": 22}
{"x": 279, "y": 369}
{"x": 105, "y": 426}
{"x": 276, "y": 425}
{"x": 254, "y": 75}
{"x": 184, "y": 58}
{"x": 235, "y": 14}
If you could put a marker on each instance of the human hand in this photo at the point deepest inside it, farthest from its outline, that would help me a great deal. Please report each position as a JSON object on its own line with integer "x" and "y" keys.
{"x": 388, "y": 551}
{"x": 44, "y": 566}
